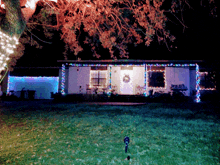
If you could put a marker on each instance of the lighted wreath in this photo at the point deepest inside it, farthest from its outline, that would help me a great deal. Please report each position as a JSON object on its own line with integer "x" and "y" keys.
{"x": 126, "y": 79}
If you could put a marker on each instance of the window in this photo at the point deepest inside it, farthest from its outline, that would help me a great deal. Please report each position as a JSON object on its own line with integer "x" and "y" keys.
{"x": 206, "y": 81}
{"x": 98, "y": 77}
{"x": 156, "y": 79}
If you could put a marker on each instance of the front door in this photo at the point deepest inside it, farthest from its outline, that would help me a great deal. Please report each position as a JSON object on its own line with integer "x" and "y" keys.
{"x": 126, "y": 79}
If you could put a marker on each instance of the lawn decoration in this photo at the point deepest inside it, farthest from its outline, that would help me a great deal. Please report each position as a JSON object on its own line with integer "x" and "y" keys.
{"x": 126, "y": 141}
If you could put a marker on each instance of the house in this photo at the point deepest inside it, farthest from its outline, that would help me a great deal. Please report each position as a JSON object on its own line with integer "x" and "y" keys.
{"x": 130, "y": 77}
{"x": 31, "y": 82}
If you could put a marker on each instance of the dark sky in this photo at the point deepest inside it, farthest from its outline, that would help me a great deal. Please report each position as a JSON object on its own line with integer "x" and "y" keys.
{"x": 199, "y": 41}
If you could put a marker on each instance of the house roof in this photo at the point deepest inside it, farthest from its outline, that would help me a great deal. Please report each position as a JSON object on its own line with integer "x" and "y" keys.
{"x": 35, "y": 71}
{"x": 130, "y": 61}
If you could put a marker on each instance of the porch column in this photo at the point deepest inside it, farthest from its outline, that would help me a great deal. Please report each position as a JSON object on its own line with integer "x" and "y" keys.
{"x": 63, "y": 77}
{"x": 145, "y": 79}
{"x": 197, "y": 84}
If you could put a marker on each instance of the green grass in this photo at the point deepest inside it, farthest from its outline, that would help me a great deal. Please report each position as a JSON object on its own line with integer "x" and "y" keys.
{"x": 89, "y": 134}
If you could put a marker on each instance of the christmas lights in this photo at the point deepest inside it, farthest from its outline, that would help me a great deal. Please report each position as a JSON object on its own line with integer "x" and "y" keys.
{"x": 7, "y": 45}
{"x": 63, "y": 79}
{"x": 145, "y": 74}
{"x": 164, "y": 75}
{"x": 197, "y": 84}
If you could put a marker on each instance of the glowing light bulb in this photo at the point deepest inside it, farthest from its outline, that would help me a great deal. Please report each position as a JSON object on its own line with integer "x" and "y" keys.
{"x": 11, "y": 51}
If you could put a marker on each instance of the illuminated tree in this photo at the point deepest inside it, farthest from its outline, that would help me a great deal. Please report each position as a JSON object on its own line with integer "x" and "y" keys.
{"x": 114, "y": 24}
{"x": 111, "y": 24}
{"x": 14, "y": 15}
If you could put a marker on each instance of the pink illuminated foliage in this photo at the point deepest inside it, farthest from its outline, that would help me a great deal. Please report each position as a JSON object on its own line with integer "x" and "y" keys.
{"x": 111, "y": 24}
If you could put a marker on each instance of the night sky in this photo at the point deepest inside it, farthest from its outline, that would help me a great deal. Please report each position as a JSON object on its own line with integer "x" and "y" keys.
{"x": 199, "y": 41}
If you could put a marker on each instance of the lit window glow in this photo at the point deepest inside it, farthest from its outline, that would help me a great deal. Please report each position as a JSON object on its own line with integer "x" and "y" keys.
{"x": 98, "y": 78}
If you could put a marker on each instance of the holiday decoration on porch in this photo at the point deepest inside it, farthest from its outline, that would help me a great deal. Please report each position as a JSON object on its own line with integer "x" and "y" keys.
{"x": 126, "y": 79}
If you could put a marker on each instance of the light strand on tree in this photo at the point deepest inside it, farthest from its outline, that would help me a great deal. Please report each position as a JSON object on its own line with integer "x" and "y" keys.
{"x": 7, "y": 46}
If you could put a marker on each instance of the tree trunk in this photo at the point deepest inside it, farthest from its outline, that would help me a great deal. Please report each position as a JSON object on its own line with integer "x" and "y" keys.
{"x": 14, "y": 22}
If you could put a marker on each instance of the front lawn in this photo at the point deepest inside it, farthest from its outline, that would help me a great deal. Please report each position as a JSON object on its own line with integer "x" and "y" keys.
{"x": 90, "y": 134}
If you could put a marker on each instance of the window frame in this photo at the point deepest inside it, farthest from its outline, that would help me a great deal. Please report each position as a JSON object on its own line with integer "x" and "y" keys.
{"x": 164, "y": 78}
{"x": 203, "y": 81}
{"x": 99, "y": 78}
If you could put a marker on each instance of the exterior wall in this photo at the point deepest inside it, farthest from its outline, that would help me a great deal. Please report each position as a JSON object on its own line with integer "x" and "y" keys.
{"x": 78, "y": 78}
{"x": 42, "y": 85}
{"x": 72, "y": 86}
{"x": 60, "y": 78}
{"x": 192, "y": 82}
{"x": 116, "y": 78}
{"x": 138, "y": 78}
{"x": 176, "y": 76}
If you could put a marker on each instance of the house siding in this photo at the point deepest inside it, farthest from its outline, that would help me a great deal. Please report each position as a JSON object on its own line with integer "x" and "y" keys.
{"x": 192, "y": 82}
{"x": 116, "y": 78}
{"x": 176, "y": 76}
{"x": 138, "y": 79}
{"x": 78, "y": 76}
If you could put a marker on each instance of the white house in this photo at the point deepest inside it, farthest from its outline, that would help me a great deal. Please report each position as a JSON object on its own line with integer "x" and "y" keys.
{"x": 130, "y": 77}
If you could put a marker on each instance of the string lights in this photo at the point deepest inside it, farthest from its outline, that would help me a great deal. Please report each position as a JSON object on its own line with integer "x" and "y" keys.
{"x": 63, "y": 79}
{"x": 197, "y": 84}
{"x": 145, "y": 74}
{"x": 164, "y": 75}
{"x": 7, "y": 45}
